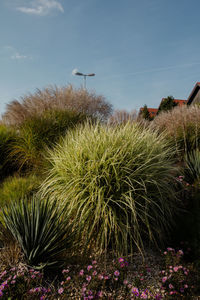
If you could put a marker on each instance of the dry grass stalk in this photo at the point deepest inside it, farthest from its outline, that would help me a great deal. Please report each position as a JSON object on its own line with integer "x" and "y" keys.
{"x": 10, "y": 253}
{"x": 59, "y": 98}
{"x": 122, "y": 117}
{"x": 182, "y": 125}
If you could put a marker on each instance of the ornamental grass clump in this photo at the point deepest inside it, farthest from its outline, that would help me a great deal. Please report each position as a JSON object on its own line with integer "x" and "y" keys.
{"x": 182, "y": 127}
{"x": 115, "y": 184}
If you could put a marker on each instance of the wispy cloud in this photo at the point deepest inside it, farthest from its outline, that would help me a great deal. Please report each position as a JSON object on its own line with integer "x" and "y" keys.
{"x": 153, "y": 70}
{"x": 42, "y": 7}
{"x": 14, "y": 54}
{"x": 20, "y": 56}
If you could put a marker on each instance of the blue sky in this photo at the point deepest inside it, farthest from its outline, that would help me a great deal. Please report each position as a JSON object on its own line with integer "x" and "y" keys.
{"x": 140, "y": 50}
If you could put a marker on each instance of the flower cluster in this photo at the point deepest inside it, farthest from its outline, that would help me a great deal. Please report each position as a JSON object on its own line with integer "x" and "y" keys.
{"x": 94, "y": 283}
{"x": 175, "y": 277}
{"x": 19, "y": 281}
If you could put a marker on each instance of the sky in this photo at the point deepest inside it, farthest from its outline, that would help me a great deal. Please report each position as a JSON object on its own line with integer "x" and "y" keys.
{"x": 139, "y": 50}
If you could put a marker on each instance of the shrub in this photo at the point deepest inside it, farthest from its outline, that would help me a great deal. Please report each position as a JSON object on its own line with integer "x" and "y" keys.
{"x": 39, "y": 132}
{"x": 116, "y": 183}
{"x": 54, "y": 98}
{"x": 182, "y": 126}
{"x": 6, "y": 138}
{"x": 41, "y": 231}
{"x": 13, "y": 189}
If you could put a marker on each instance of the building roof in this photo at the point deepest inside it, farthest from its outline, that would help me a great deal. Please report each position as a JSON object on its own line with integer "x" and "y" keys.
{"x": 193, "y": 93}
{"x": 152, "y": 111}
{"x": 180, "y": 102}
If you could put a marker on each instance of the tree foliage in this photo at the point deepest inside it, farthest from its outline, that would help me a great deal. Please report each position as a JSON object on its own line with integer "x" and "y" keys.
{"x": 167, "y": 104}
{"x": 145, "y": 113}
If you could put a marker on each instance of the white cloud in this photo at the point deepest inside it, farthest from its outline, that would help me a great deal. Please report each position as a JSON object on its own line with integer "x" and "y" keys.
{"x": 13, "y": 53}
{"x": 20, "y": 56}
{"x": 42, "y": 7}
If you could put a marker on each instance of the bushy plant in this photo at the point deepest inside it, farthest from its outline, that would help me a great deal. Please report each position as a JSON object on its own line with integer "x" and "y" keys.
{"x": 116, "y": 184}
{"x": 7, "y": 137}
{"x": 182, "y": 126}
{"x": 38, "y": 132}
{"x": 15, "y": 188}
{"x": 41, "y": 229}
{"x": 57, "y": 98}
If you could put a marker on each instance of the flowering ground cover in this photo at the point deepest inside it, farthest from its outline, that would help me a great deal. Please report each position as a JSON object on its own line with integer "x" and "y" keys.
{"x": 158, "y": 277}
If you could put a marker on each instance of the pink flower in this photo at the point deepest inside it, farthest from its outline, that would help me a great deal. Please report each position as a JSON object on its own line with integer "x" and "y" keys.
{"x": 165, "y": 252}
{"x": 65, "y": 271}
{"x": 100, "y": 294}
{"x": 143, "y": 295}
{"x": 164, "y": 279}
{"x": 176, "y": 269}
{"x": 125, "y": 282}
{"x": 185, "y": 286}
{"x": 68, "y": 278}
{"x": 94, "y": 262}
{"x": 122, "y": 265}
{"x": 116, "y": 273}
{"x": 94, "y": 273}
{"x": 88, "y": 278}
{"x": 121, "y": 260}
{"x": 135, "y": 291}
{"x": 60, "y": 291}
{"x": 13, "y": 282}
{"x": 172, "y": 292}
{"x": 100, "y": 276}
{"x": 81, "y": 272}
{"x": 171, "y": 286}
{"x": 106, "y": 277}
{"x": 170, "y": 249}
{"x": 180, "y": 252}
{"x": 89, "y": 267}
{"x": 116, "y": 278}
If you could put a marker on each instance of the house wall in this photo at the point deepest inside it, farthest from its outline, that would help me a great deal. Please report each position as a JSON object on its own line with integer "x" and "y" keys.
{"x": 196, "y": 98}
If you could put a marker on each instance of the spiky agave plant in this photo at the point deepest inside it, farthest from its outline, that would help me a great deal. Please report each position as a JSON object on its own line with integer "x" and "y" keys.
{"x": 41, "y": 231}
{"x": 116, "y": 183}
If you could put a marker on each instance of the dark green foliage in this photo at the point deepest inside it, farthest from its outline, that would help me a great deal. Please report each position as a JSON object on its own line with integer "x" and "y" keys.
{"x": 7, "y": 137}
{"x": 188, "y": 222}
{"x": 41, "y": 229}
{"x": 145, "y": 113}
{"x": 167, "y": 104}
{"x": 39, "y": 132}
{"x": 15, "y": 188}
